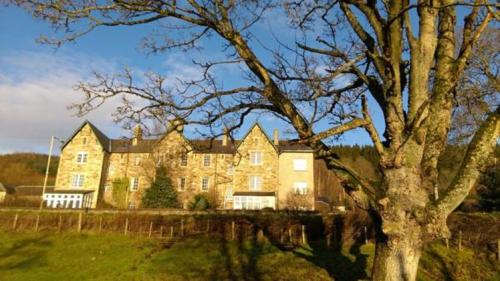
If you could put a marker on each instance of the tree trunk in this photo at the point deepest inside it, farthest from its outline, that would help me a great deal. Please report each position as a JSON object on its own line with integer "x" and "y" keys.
{"x": 396, "y": 259}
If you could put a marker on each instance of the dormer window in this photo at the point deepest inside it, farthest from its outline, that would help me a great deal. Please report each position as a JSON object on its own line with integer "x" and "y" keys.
{"x": 81, "y": 157}
{"x": 255, "y": 158}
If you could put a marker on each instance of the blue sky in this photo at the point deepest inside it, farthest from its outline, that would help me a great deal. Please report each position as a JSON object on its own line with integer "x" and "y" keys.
{"x": 36, "y": 80}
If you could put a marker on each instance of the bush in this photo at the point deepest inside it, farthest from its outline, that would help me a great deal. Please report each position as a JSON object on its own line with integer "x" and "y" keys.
{"x": 200, "y": 202}
{"x": 161, "y": 194}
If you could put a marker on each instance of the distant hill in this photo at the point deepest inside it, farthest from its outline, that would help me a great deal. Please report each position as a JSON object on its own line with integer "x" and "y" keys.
{"x": 26, "y": 169}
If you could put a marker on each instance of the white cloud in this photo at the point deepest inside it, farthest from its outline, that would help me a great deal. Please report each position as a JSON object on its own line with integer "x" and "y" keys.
{"x": 35, "y": 91}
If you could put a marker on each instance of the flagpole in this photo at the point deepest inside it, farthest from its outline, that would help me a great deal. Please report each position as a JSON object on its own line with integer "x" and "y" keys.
{"x": 47, "y": 171}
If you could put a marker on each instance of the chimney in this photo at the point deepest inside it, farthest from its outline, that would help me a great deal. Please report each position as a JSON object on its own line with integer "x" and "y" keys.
{"x": 276, "y": 137}
{"x": 177, "y": 125}
{"x": 225, "y": 137}
{"x": 137, "y": 134}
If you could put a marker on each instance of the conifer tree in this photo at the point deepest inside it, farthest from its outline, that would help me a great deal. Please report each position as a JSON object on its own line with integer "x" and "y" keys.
{"x": 161, "y": 194}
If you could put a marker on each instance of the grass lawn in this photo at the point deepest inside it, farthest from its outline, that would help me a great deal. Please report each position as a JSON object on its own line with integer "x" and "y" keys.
{"x": 30, "y": 256}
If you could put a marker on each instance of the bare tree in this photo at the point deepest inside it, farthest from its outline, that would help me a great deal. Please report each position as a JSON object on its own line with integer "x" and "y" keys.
{"x": 401, "y": 54}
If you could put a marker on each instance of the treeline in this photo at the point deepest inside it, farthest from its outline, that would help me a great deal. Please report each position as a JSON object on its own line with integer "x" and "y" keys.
{"x": 26, "y": 169}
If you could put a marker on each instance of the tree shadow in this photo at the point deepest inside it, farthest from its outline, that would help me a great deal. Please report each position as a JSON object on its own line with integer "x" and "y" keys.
{"x": 337, "y": 262}
{"x": 25, "y": 254}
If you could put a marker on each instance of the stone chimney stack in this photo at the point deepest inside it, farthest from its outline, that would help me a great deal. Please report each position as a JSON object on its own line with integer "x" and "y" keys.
{"x": 177, "y": 125}
{"x": 137, "y": 134}
{"x": 276, "y": 137}
{"x": 225, "y": 137}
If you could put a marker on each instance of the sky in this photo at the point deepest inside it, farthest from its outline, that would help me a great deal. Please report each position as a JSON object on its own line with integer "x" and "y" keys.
{"x": 36, "y": 81}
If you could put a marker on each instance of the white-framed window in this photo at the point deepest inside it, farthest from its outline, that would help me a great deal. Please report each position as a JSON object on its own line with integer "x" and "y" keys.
{"x": 255, "y": 158}
{"x": 131, "y": 205}
{"x": 107, "y": 187}
{"x": 300, "y": 187}
{"x": 205, "y": 183}
{"x": 255, "y": 182}
{"x": 253, "y": 202}
{"x": 206, "y": 160}
{"x": 299, "y": 164}
{"x": 81, "y": 157}
{"x": 137, "y": 160}
{"x": 182, "y": 184}
{"x": 134, "y": 183}
{"x": 77, "y": 180}
{"x": 184, "y": 159}
{"x": 230, "y": 170}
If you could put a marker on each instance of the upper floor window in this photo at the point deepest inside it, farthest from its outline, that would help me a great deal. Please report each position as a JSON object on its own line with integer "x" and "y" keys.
{"x": 81, "y": 157}
{"x": 299, "y": 164}
{"x": 184, "y": 159}
{"x": 300, "y": 188}
{"x": 230, "y": 170}
{"x": 205, "y": 183}
{"x": 134, "y": 183}
{"x": 206, "y": 160}
{"x": 137, "y": 161}
{"x": 255, "y": 158}
{"x": 255, "y": 182}
{"x": 77, "y": 180}
{"x": 182, "y": 184}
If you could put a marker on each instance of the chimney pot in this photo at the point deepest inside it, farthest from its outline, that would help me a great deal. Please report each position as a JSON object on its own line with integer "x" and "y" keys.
{"x": 137, "y": 134}
{"x": 276, "y": 137}
{"x": 225, "y": 137}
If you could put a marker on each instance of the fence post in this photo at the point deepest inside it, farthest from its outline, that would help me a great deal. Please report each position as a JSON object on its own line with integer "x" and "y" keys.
{"x": 328, "y": 240}
{"x": 366, "y": 235}
{"x": 208, "y": 226}
{"x": 126, "y": 226}
{"x": 446, "y": 240}
{"x": 59, "y": 224}
{"x": 460, "y": 240}
{"x": 282, "y": 236}
{"x": 498, "y": 249}
{"x": 37, "y": 222}
{"x": 14, "y": 224}
{"x": 79, "y": 226}
{"x": 304, "y": 238}
{"x": 100, "y": 224}
{"x": 171, "y": 232}
{"x": 232, "y": 230}
{"x": 161, "y": 231}
{"x": 290, "y": 238}
{"x": 150, "y": 229}
{"x": 182, "y": 227}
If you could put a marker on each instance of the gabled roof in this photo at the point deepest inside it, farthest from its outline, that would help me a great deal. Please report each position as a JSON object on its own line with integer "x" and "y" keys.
{"x": 2, "y": 188}
{"x": 257, "y": 124}
{"x": 101, "y": 137}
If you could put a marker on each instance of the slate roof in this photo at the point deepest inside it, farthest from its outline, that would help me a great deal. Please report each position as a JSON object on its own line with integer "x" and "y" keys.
{"x": 202, "y": 146}
{"x": 254, "y": 193}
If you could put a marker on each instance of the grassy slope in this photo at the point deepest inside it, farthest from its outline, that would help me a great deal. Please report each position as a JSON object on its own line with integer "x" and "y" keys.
{"x": 113, "y": 257}
{"x": 26, "y": 168}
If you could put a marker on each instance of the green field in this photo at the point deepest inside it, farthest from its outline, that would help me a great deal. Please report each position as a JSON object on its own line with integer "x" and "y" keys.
{"x": 114, "y": 257}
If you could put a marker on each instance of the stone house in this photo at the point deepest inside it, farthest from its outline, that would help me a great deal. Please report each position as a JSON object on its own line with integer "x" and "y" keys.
{"x": 252, "y": 173}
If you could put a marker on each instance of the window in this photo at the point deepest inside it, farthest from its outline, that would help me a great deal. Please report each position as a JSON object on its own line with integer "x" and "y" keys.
{"x": 81, "y": 157}
{"x": 206, "y": 160}
{"x": 137, "y": 161}
{"x": 255, "y": 182}
{"x": 84, "y": 140}
{"x": 300, "y": 188}
{"x": 182, "y": 184}
{"x": 77, "y": 180}
{"x": 204, "y": 184}
{"x": 255, "y": 158}
{"x": 131, "y": 205}
{"x": 134, "y": 183}
{"x": 230, "y": 170}
{"x": 299, "y": 164}
{"x": 184, "y": 159}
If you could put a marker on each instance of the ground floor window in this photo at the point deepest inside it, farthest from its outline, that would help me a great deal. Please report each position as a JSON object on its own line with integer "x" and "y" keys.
{"x": 253, "y": 202}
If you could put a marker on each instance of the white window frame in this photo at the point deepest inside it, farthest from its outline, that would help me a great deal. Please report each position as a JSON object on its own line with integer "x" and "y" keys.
{"x": 300, "y": 165}
{"x": 82, "y": 157}
{"x": 253, "y": 161}
{"x": 204, "y": 162}
{"x": 137, "y": 161}
{"x": 202, "y": 188}
{"x": 182, "y": 184}
{"x": 300, "y": 188}
{"x": 255, "y": 182}
{"x": 77, "y": 180}
{"x": 134, "y": 184}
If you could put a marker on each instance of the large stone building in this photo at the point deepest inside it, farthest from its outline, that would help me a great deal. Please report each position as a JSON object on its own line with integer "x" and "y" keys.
{"x": 252, "y": 173}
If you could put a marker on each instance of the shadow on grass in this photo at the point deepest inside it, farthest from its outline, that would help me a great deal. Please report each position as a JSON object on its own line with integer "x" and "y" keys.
{"x": 341, "y": 265}
{"x": 24, "y": 254}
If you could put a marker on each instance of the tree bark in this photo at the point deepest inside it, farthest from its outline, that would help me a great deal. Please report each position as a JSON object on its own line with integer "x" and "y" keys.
{"x": 396, "y": 259}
